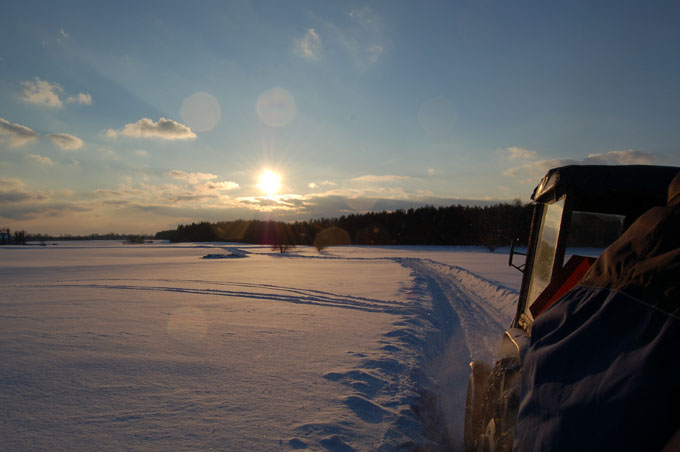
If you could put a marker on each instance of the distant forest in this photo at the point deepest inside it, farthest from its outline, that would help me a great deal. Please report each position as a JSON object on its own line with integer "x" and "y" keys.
{"x": 490, "y": 226}
{"x": 127, "y": 238}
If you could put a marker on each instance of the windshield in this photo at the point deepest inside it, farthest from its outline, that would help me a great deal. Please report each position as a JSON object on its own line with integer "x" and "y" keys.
{"x": 594, "y": 230}
{"x": 545, "y": 251}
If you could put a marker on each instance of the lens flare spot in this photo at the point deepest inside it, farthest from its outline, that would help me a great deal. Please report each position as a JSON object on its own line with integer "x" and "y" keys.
{"x": 276, "y": 107}
{"x": 201, "y": 111}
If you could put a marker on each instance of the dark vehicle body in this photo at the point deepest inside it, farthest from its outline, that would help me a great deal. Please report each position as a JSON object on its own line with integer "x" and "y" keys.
{"x": 576, "y": 206}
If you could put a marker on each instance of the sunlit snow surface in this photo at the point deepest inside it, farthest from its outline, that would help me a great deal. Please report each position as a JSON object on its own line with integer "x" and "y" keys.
{"x": 105, "y": 346}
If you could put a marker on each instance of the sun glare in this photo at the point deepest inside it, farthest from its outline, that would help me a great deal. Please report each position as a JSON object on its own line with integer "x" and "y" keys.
{"x": 269, "y": 183}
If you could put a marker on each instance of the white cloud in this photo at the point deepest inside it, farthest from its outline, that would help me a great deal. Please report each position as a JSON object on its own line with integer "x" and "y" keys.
{"x": 42, "y": 92}
{"x": 142, "y": 152}
{"x": 431, "y": 171}
{"x": 625, "y": 157}
{"x": 81, "y": 98}
{"x": 203, "y": 183}
{"x": 64, "y": 34}
{"x": 47, "y": 94}
{"x": 309, "y": 46}
{"x": 326, "y": 183}
{"x": 65, "y": 141}
{"x": 223, "y": 186}
{"x": 192, "y": 178}
{"x": 515, "y": 152}
{"x": 164, "y": 129}
{"x": 17, "y": 134}
{"x": 372, "y": 178}
{"x": 46, "y": 161}
{"x": 530, "y": 172}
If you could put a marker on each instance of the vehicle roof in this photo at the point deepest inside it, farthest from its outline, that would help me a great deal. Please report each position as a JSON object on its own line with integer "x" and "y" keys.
{"x": 615, "y": 189}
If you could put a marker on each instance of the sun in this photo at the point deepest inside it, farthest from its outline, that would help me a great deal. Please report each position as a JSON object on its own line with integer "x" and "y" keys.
{"x": 269, "y": 183}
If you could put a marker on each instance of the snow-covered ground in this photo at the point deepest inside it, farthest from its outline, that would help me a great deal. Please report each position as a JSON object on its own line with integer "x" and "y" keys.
{"x": 105, "y": 346}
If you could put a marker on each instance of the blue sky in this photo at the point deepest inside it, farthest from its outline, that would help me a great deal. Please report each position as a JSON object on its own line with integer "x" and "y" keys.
{"x": 136, "y": 116}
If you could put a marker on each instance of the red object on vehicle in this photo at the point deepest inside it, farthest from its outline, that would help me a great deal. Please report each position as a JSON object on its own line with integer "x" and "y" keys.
{"x": 568, "y": 277}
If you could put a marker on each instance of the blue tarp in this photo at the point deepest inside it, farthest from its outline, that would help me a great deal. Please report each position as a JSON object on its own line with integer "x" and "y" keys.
{"x": 602, "y": 373}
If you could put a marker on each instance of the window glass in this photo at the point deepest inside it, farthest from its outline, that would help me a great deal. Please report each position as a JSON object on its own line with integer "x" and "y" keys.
{"x": 593, "y": 229}
{"x": 545, "y": 251}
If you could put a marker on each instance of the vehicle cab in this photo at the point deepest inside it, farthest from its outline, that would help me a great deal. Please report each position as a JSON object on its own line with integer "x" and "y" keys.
{"x": 579, "y": 210}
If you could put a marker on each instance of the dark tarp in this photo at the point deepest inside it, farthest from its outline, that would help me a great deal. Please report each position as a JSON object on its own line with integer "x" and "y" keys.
{"x": 603, "y": 368}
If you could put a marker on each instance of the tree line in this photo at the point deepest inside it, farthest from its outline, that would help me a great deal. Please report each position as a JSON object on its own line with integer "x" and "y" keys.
{"x": 128, "y": 238}
{"x": 9, "y": 238}
{"x": 490, "y": 226}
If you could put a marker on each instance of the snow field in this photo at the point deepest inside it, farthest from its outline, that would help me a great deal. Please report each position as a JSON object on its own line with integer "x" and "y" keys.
{"x": 152, "y": 348}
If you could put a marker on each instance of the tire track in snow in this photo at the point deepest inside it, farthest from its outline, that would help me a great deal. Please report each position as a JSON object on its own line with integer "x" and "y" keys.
{"x": 274, "y": 293}
{"x": 482, "y": 321}
{"x": 466, "y": 326}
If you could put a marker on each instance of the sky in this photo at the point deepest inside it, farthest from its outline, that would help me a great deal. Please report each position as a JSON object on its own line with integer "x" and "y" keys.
{"x": 134, "y": 117}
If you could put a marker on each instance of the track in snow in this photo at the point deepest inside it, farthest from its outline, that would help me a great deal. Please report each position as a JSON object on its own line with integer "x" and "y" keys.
{"x": 468, "y": 314}
{"x": 251, "y": 291}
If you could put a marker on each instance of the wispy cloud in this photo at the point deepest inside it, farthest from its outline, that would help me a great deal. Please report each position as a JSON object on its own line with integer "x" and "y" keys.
{"x": 516, "y": 152}
{"x": 47, "y": 94}
{"x": 39, "y": 159}
{"x": 14, "y": 190}
{"x": 309, "y": 46}
{"x": 65, "y": 141}
{"x": 17, "y": 134}
{"x": 202, "y": 183}
{"x": 222, "y": 185}
{"x": 81, "y": 98}
{"x": 531, "y": 171}
{"x": 625, "y": 157}
{"x": 364, "y": 15}
{"x": 370, "y": 30}
{"x": 164, "y": 129}
{"x": 63, "y": 36}
{"x": 193, "y": 178}
{"x": 374, "y": 52}
{"x": 372, "y": 178}
{"x": 43, "y": 93}
{"x": 326, "y": 183}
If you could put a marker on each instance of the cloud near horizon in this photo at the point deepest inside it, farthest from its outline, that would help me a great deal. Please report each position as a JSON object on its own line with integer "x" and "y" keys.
{"x": 17, "y": 134}
{"x": 150, "y": 208}
{"x": 326, "y": 183}
{"x": 14, "y": 190}
{"x": 193, "y": 178}
{"x": 372, "y": 178}
{"x": 530, "y": 172}
{"x": 65, "y": 142}
{"x": 164, "y": 129}
{"x": 625, "y": 157}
